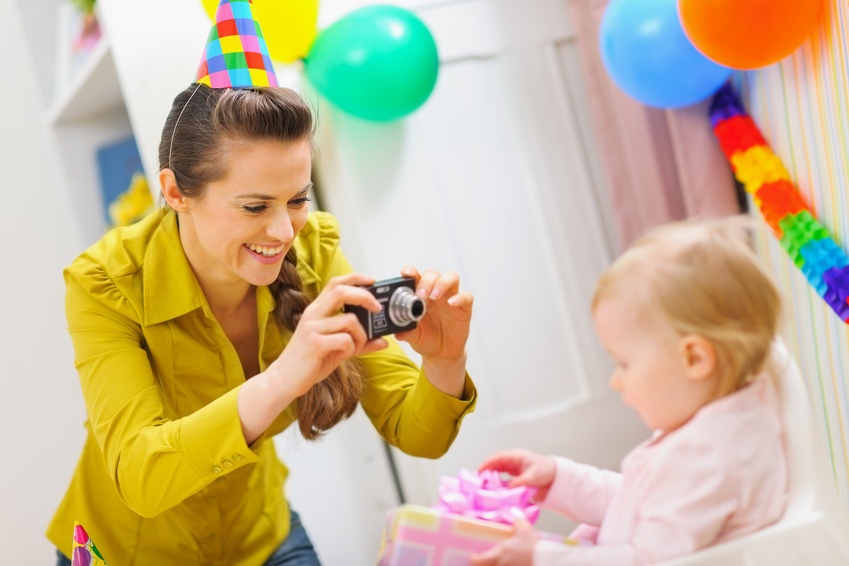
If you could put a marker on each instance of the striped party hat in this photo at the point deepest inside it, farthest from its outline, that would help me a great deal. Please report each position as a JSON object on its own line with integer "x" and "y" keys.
{"x": 236, "y": 55}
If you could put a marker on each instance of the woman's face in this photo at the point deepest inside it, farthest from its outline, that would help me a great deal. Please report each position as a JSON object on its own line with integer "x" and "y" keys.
{"x": 245, "y": 223}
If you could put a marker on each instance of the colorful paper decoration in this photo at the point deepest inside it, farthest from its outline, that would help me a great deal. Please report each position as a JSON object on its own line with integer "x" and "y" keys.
{"x": 823, "y": 262}
{"x": 236, "y": 55}
{"x": 485, "y": 496}
{"x": 84, "y": 551}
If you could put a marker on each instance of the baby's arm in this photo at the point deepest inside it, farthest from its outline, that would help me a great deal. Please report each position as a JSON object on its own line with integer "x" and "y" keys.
{"x": 682, "y": 507}
{"x": 579, "y": 491}
{"x": 582, "y": 492}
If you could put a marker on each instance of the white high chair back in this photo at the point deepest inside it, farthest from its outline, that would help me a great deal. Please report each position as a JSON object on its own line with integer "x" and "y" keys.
{"x": 815, "y": 527}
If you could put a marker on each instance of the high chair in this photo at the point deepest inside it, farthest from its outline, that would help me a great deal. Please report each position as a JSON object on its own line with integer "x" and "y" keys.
{"x": 815, "y": 527}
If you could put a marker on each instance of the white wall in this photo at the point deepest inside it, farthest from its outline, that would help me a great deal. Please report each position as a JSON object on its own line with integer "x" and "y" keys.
{"x": 41, "y": 409}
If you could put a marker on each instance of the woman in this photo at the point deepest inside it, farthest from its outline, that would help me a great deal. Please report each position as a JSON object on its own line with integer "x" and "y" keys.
{"x": 214, "y": 324}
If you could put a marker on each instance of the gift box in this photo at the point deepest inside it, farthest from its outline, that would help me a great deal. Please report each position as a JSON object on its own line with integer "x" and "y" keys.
{"x": 475, "y": 513}
{"x": 425, "y": 536}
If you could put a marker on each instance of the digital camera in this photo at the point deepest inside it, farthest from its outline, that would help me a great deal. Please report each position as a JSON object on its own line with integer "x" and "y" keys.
{"x": 401, "y": 308}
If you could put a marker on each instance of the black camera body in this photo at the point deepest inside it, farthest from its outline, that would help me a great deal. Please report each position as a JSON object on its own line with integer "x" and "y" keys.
{"x": 401, "y": 308}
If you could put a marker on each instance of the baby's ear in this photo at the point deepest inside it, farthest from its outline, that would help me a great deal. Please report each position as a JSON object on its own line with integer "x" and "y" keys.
{"x": 699, "y": 357}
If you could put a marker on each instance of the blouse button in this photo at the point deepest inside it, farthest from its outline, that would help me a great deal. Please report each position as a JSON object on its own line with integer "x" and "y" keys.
{"x": 216, "y": 469}
{"x": 227, "y": 463}
{"x": 238, "y": 457}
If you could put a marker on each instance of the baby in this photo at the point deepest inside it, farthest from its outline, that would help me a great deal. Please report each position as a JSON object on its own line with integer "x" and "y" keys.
{"x": 688, "y": 316}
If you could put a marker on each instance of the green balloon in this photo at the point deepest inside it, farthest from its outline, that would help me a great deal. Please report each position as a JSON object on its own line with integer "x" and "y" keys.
{"x": 379, "y": 62}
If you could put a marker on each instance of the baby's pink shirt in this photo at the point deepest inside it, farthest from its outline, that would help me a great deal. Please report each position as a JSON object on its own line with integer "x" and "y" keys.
{"x": 720, "y": 476}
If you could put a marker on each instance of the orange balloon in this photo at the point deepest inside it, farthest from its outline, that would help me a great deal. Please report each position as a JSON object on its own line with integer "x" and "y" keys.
{"x": 748, "y": 34}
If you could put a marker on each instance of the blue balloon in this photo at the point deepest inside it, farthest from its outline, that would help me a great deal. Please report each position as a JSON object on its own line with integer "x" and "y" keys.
{"x": 646, "y": 53}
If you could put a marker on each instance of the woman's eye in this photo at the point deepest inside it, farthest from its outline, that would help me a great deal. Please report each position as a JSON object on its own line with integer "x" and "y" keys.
{"x": 299, "y": 202}
{"x": 255, "y": 209}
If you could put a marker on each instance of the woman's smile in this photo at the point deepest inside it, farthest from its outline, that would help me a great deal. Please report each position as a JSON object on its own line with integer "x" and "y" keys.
{"x": 265, "y": 254}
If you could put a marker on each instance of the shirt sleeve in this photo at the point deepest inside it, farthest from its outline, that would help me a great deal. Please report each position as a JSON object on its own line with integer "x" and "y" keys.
{"x": 582, "y": 492}
{"x": 404, "y": 407}
{"x": 154, "y": 463}
{"x": 682, "y": 506}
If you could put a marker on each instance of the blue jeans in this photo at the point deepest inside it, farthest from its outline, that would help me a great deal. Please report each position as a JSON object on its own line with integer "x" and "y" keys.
{"x": 296, "y": 550}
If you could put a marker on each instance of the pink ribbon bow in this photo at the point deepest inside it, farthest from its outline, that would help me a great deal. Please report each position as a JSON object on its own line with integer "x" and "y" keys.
{"x": 485, "y": 496}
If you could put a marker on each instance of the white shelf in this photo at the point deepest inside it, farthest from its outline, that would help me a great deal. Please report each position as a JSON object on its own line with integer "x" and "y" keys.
{"x": 93, "y": 90}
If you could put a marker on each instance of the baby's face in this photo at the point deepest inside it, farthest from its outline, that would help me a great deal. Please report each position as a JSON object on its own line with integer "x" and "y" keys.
{"x": 651, "y": 366}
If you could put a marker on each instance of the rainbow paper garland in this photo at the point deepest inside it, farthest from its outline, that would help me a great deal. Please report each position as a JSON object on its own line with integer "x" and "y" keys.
{"x": 763, "y": 175}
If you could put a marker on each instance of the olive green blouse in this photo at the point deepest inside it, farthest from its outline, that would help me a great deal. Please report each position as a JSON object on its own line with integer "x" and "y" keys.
{"x": 165, "y": 476}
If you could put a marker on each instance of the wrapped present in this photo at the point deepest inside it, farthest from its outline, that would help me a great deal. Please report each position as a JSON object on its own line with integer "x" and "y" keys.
{"x": 427, "y": 536}
{"x": 84, "y": 551}
{"x": 485, "y": 496}
{"x": 475, "y": 513}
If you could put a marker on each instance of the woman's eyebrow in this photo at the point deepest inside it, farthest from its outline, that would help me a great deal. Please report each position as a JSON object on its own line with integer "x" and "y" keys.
{"x": 261, "y": 196}
{"x": 256, "y": 196}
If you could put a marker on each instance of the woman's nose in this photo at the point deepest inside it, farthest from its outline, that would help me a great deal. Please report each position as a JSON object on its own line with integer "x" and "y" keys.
{"x": 281, "y": 228}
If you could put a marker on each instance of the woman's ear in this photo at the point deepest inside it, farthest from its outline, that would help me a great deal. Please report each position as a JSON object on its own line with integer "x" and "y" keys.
{"x": 699, "y": 357}
{"x": 171, "y": 192}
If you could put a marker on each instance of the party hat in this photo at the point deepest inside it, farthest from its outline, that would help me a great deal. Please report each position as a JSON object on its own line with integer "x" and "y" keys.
{"x": 236, "y": 55}
{"x": 85, "y": 553}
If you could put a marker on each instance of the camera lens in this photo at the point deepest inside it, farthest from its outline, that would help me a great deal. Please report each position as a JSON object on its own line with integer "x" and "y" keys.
{"x": 405, "y": 307}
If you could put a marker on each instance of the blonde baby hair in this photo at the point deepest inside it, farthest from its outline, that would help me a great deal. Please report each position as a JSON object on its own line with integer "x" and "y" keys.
{"x": 704, "y": 279}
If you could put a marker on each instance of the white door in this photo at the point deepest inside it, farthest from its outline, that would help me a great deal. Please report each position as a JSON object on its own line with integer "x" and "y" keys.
{"x": 493, "y": 178}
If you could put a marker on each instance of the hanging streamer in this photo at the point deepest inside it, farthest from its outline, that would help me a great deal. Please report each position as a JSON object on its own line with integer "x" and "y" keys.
{"x": 763, "y": 175}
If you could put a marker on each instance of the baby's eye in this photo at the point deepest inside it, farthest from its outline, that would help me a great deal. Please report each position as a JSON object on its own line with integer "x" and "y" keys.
{"x": 257, "y": 209}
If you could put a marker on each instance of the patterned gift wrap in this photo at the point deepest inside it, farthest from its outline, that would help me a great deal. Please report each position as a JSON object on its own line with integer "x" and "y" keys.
{"x": 421, "y": 536}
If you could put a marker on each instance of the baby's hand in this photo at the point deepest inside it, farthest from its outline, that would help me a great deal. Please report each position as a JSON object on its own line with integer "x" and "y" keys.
{"x": 518, "y": 550}
{"x": 527, "y": 468}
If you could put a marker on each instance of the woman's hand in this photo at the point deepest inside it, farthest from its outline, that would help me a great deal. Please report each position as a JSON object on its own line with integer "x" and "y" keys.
{"x": 518, "y": 550}
{"x": 325, "y": 336}
{"x": 442, "y": 333}
{"x": 527, "y": 468}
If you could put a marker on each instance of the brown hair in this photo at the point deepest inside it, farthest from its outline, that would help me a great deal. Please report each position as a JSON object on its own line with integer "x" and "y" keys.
{"x": 703, "y": 278}
{"x": 201, "y": 129}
